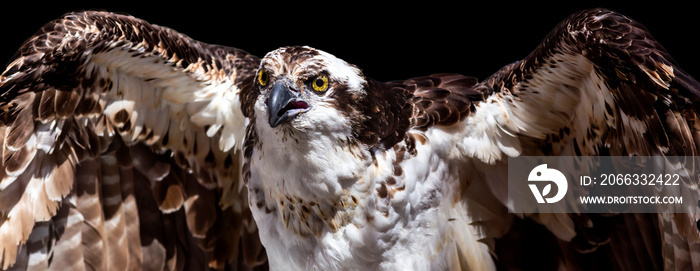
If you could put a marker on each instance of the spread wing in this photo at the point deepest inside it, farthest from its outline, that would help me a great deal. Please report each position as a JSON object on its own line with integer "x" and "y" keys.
{"x": 115, "y": 132}
{"x": 599, "y": 84}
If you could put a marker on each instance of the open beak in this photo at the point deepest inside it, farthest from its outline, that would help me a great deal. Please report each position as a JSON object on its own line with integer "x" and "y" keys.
{"x": 284, "y": 104}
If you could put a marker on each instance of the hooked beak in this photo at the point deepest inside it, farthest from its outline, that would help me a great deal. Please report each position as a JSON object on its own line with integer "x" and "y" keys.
{"x": 284, "y": 104}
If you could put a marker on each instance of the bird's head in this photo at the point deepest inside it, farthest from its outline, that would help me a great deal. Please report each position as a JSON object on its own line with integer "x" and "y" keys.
{"x": 307, "y": 114}
{"x": 317, "y": 122}
{"x": 303, "y": 89}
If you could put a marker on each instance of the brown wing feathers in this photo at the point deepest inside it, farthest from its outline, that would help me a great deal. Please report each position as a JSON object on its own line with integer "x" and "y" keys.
{"x": 443, "y": 99}
{"x": 392, "y": 108}
{"x": 652, "y": 110}
{"x": 98, "y": 163}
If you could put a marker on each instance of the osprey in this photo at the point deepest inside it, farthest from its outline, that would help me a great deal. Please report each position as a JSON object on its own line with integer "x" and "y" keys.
{"x": 129, "y": 145}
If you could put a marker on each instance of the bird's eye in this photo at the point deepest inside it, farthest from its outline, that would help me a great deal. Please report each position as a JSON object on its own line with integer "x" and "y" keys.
{"x": 320, "y": 83}
{"x": 263, "y": 78}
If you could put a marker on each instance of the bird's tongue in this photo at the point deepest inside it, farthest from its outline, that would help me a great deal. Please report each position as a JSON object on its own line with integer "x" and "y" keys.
{"x": 296, "y": 104}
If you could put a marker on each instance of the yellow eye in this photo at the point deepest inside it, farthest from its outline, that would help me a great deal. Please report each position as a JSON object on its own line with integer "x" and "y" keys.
{"x": 263, "y": 78}
{"x": 320, "y": 83}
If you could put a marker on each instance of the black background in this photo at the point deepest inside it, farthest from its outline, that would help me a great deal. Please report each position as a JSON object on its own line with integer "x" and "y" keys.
{"x": 387, "y": 41}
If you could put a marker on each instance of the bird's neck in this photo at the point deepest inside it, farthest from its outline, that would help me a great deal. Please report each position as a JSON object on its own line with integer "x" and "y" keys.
{"x": 310, "y": 184}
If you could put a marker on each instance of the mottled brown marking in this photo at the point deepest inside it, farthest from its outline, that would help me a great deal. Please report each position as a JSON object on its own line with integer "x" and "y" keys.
{"x": 420, "y": 138}
{"x": 400, "y": 153}
{"x": 397, "y": 170}
{"x": 121, "y": 116}
{"x": 382, "y": 191}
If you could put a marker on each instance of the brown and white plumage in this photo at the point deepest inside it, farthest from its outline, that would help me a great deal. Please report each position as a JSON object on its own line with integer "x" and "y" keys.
{"x": 146, "y": 119}
{"x": 123, "y": 147}
{"x": 599, "y": 84}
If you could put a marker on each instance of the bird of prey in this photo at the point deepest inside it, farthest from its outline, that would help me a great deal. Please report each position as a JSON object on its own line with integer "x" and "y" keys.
{"x": 127, "y": 145}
